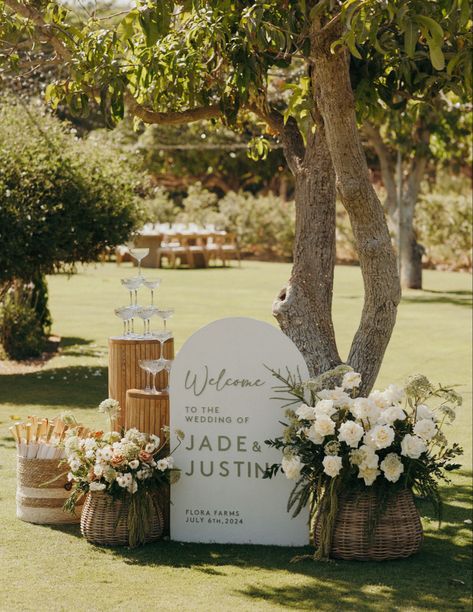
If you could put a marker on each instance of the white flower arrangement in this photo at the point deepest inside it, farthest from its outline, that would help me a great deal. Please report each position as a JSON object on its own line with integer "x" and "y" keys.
{"x": 117, "y": 464}
{"x": 338, "y": 440}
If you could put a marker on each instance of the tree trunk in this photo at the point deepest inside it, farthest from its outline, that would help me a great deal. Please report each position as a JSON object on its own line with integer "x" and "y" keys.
{"x": 303, "y": 308}
{"x": 388, "y": 169}
{"x": 410, "y": 251}
{"x": 377, "y": 258}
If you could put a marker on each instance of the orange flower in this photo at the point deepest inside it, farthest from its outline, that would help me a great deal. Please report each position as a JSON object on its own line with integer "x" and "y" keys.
{"x": 98, "y": 434}
{"x": 144, "y": 456}
{"x": 117, "y": 460}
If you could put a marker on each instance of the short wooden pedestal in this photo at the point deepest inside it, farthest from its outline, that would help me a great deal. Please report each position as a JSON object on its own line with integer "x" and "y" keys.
{"x": 147, "y": 412}
{"x": 124, "y": 370}
{"x": 150, "y": 413}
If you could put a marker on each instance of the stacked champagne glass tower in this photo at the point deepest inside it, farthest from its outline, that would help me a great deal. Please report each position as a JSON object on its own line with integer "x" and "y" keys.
{"x": 133, "y": 311}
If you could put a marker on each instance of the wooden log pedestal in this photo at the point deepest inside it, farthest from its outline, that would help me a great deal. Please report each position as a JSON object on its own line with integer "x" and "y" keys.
{"x": 150, "y": 413}
{"x": 124, "y": 370}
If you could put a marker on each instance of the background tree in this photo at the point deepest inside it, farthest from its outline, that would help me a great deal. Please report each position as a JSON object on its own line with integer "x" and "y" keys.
{"x": 414, "y": 142}
{"x": 179, "y": 62}
{"x": 62, "y": 201}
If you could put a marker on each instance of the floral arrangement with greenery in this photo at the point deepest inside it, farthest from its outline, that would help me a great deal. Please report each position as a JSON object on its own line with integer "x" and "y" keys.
{"x": 129, "y": 466}
{"x": 336, "y": 441}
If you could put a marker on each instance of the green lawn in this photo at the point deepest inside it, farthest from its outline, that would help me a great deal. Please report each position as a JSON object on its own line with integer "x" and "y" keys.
{"x": 52, "y": 568}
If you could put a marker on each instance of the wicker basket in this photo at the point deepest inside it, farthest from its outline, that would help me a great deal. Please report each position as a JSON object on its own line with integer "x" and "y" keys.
{"x": 40, "y": 503}
{"x": 397, "y": 535}
{"x": 100, "y": 522}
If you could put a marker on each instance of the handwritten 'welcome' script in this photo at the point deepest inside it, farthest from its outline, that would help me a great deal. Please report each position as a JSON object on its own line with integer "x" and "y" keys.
{"x": 199, "y": 382}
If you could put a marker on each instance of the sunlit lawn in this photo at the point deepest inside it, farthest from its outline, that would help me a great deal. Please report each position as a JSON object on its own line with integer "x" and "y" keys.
{"x": 43, "y": 568}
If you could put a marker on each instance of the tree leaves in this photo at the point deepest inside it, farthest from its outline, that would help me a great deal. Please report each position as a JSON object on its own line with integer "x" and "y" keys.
{"x": 434, "y": 35}
{"x": 410, "y": 38}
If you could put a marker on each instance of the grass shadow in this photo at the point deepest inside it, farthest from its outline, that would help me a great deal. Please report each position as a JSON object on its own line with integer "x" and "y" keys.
{"x": 438, "y": 577}
{"x": 425, "y": 580}
{"x": 428, "y": 296}
{"x": 74, "y": 386}
{"x": 80, "y": 347}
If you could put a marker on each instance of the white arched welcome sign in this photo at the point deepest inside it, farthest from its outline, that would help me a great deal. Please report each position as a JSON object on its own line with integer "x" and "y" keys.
{"x": 221, "y": 397}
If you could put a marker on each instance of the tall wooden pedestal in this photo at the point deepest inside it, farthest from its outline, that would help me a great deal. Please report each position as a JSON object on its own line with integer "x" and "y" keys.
{"x": 150, "y": 413}
{"x": 124, "y": 370}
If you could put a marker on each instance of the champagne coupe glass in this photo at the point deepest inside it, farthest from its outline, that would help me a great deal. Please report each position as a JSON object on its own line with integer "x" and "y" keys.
{"x": 167, "y": 364}
{"x": 132, "y": 283}
{"x": 165, "y": 314}
{"x": 144, "y": 366}
{"x": 125, "y": 313}
{"x": 152, "y": 284}
{"x": 155, "y": 366}
{"x": 138, "y": 253}
{"x": 145, "y": 313}
{"x": 162, "y": 336}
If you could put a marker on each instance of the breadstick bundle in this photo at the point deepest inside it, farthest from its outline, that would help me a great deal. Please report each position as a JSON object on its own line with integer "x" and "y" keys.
{"x": 42, "y": 438}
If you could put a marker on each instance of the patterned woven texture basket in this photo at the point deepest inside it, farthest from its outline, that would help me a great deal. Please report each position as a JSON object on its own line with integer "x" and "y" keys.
{"x": 104, "y": 521}
{"x": 398, "y": 533}
{"x": 40, "y": 503}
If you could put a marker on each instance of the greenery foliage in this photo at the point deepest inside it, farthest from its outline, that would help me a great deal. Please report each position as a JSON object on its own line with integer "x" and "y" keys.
{"x": 23, "y": 319}
{"x": 63, "y": 200}
{"x": 264, "y": 224}
{"x": 444, "y": 220}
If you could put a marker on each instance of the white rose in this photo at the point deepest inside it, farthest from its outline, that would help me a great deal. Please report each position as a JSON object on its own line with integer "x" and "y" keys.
{"x": 305, "y": 413}
{"x": 425, "y": 429}
{"x": 324, "y": 425}
{"x": 368, "y": 474}
{"x": 351, "y": 380}
{"x": 392, "y": 467}
{"x": 379, "y": 399}
{"x": 394, "y": 394}
{"x": 338, "y": 395}
{"x": 351, "y": 433}
{"x": 313, "y": 436}
{"x": 370, "y": 458}
{"x": 332, "y": 465}
{"x": 412, "y": 446}
{"x": 365, "y": 410}
{"x": 424, "y": 412}
{"x": 292, "y": 466}
{"x": 96, "y": 486}
{"x": 392, "y": 414}
{"x": 324, "y": 407}
{"x": 381, "y": 436}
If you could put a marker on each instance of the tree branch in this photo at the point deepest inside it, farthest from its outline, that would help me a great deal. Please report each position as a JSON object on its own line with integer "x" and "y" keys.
{"x": 291, "y": 137}
{"x": 190, "y": 115}
{"x": 46, "y": 29}
{"x": 387, "y": 166}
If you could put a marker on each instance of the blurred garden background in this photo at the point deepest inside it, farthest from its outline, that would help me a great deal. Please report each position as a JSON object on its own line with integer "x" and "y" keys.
{"x": 76, "y": 189}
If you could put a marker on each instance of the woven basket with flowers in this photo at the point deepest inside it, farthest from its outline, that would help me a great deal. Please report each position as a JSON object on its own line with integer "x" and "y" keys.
{"x": 121, "y": 476}
{"x": 358, "y": 461}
